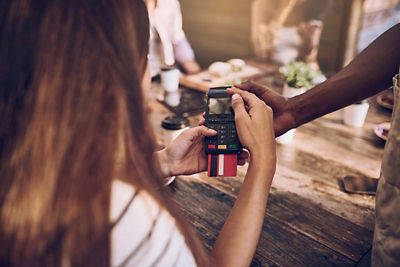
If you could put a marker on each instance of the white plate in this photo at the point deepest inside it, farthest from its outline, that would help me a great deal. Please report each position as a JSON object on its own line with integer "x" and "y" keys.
{"x": 385, "y": 100}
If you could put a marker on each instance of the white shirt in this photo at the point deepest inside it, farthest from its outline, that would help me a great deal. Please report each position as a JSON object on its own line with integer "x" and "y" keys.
{"x": 167, "y": 38}
{"x": 146, "y": 235}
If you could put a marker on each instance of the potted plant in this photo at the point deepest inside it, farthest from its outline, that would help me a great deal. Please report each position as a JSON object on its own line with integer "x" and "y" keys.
{"x": 298, "y": 77}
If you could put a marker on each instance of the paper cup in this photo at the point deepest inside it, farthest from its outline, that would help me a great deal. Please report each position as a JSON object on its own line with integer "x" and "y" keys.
{"x": 170, "y": 79}
{"x": 354, "y": 115}
{"x": 172, "y": 98}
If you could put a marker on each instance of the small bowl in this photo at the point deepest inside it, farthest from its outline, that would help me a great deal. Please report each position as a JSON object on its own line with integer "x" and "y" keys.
{"x": 382, "y": 130}
{"x": 386, "y": 100}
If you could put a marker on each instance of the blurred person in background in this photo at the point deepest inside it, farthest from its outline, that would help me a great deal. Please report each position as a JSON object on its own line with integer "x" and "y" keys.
{"x": 80, "y": 184}
{"x": 168, "y": 43}
{"x": 372, "y": 71}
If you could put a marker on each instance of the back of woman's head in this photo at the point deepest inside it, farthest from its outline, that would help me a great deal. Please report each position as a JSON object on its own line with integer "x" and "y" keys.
{"x": 70, "y": 103}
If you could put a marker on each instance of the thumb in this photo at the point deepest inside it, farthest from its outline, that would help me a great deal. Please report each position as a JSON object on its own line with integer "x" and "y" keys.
{"x": 199, "y": 132}
{"x": 239, "y": 109}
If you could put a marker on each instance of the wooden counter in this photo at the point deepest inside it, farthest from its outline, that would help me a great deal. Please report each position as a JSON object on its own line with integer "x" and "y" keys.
{"x": 309, "y": 221}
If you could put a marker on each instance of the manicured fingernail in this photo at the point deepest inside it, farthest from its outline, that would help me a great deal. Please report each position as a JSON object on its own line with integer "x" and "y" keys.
{"x": 211, "y": 131}
{"x": 235, "y": 96}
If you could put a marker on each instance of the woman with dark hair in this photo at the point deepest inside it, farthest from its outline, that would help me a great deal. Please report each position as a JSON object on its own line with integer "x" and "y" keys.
{"x": 79, "y": 182}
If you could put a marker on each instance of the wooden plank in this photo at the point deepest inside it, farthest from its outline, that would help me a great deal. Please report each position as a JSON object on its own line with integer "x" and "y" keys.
{"x": 217, "y": 30}
{"x": 280, "y": 244}
{"x": 203, "y": 80}
{"x": 317, "y": 185}
{"x": 309, "y": 217}
{"x": 311, "y": 220}
{"x": 353, "y": 17}
{"x": 336, "y": 146}
{"x": 314, "y": 173}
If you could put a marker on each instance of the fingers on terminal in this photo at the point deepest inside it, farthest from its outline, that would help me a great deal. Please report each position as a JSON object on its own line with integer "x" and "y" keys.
{"x": 251, "y": 100}
{"x": 238, "y": 106}
{"x": 244, "y": 86}
{"x": 269, "y": 109}
{"x": 252, "y": 86}
{"x": 203, "y": 130}
{"x": 237, "y": 103}
{"x": 248, "y": 97}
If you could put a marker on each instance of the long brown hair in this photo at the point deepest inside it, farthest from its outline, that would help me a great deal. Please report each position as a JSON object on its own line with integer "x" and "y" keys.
{"x": 70, "y": 93}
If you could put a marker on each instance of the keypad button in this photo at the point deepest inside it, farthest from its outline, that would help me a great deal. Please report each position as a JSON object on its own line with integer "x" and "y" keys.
{"x": 212, "y": 146}
{"x": 221, "y": 146}
{"x": 234, "y": 146}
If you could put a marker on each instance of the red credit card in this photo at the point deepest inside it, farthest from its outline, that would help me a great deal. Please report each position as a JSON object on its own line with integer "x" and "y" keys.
{"x": 222, "y": 164}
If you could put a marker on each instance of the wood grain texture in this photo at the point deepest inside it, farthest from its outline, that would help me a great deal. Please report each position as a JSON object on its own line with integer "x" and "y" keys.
{"x": 310, "y": 220}
{"x": 280, "y": 243}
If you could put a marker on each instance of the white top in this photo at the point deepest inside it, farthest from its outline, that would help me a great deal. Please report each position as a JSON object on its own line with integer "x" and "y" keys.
{"x": 146, "y": 235}
{"x": 167, "y": 38}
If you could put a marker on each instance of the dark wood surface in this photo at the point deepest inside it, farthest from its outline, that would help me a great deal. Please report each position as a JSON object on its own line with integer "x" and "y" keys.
{"x": 310, "y": 220}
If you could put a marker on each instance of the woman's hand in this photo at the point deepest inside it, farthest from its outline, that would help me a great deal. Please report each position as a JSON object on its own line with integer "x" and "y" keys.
{"x": 254, "y": 124}
{"x": 237, "y": 241}
{"x": 186, "y": 154}
{"x": 284, "y": 120}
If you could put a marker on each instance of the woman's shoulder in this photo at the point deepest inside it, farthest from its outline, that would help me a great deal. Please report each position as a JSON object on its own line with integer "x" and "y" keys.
{"x": 144, "y": 232}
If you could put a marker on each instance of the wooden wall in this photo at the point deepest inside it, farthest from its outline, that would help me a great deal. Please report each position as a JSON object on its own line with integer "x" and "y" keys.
{"x": 217, "y": 29}
{"x": 220, "y": 29}
{"x": 339, "y": 38}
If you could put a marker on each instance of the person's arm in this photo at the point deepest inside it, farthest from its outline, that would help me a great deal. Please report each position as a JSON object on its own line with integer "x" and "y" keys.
{"x": 238, "y": 239}
{"x": 184, "y": 55}
{"x": 190, "y": 66}
{"x": 186, "y": 154}
{"x": 369, "y": 73}
{"x": 183, "y": 51}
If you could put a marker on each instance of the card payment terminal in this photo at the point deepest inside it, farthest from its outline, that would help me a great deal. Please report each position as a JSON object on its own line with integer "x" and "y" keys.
{"x": 222, "y": 149}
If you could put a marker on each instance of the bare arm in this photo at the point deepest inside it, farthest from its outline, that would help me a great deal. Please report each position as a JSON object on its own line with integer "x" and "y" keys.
{"x": 369, "y": 73}
{"x": 238, "y": 239}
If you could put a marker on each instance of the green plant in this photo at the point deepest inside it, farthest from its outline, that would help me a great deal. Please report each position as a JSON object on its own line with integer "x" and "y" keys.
{"x": 299, "y": 74}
